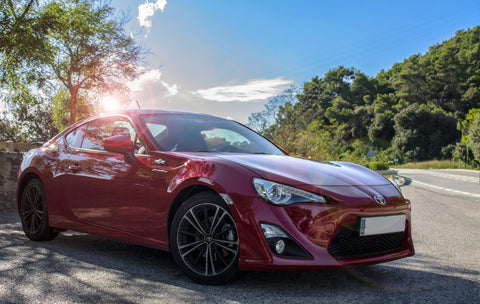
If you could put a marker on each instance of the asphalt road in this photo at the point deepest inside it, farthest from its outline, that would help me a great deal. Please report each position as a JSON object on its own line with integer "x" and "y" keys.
{"x": 79, "y": 268}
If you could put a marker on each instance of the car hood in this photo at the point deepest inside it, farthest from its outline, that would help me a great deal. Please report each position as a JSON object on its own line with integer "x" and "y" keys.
{"x": 297, "y": 171}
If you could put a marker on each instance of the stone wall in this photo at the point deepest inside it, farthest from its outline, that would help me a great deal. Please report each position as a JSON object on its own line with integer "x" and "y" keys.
{"x": 9, "y": 165}
{"x": 10, "y": 146}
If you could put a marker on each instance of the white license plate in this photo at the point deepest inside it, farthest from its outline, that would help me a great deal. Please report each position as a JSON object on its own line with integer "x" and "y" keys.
{"x": 382, "y": 224}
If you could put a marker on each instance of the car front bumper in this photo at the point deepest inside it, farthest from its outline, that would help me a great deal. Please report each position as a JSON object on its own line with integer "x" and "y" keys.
{"x": 314, "y": 228}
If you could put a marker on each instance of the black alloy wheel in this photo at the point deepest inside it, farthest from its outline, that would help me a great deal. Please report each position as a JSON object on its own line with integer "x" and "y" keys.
{"x": 34, "y": 213}
{"x": 204, "y": 240}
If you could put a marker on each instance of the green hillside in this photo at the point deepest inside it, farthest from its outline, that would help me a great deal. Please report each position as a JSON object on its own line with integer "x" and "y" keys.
{"x": 425, "y": 108}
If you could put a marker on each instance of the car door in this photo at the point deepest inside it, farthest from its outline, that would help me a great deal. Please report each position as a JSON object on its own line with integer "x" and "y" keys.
{"x": 103, "y": 189}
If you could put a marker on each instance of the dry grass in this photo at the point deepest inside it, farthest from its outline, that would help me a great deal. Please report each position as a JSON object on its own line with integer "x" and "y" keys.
{"x": 436, "y": 164}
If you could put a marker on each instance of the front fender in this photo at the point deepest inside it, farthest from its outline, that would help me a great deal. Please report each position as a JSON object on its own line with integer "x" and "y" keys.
{"x": 167, "y": 189}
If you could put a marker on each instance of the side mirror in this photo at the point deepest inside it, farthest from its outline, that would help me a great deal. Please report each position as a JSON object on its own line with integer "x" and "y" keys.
{"x": 120, "y": 144}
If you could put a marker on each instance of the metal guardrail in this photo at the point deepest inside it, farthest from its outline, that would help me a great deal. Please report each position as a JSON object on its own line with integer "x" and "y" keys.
{"x": 392, "y": 174}
{"x": 387, "y": 173}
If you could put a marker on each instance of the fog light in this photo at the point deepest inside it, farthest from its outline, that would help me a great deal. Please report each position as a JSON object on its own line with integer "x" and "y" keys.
{"x": 280, "y": 246}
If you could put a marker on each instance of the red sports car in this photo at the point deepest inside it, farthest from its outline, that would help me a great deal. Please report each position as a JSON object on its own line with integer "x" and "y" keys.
{"x": 218, "y": 196}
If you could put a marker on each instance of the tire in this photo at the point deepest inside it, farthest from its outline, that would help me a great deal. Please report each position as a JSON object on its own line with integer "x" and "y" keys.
{"x": 34, "y": 213}
{"x": 204, "y": 240}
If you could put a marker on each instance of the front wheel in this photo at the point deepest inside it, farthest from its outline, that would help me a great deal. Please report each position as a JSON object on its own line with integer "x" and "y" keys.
{"x": 204, "y": 240}
{"x": 34, "y": 213}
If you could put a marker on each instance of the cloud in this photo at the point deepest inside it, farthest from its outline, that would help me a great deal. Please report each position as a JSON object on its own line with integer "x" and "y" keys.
{"x": 171, "y": 89}
{"x": 147, "y": 10}
{"x": 253, "y": 90}
{"x": 152, "y": 79}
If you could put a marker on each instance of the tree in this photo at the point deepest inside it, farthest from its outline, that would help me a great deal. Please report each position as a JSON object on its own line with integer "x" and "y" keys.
{"x": 22, "y": 42}
{"x": 474, "y": 135}
{"x": 260, "y": 121}
{"x": 60, "y": 109}
{"x": 35, "y": 122}
{"x": 8, "y": 131}
{"x": 465, "y": 150}
{"x": 410, "y": 83}
{"x": 382, "y": 127}
{"x": 25, "y": 123}
{"x": 422, "y": 134}
{"x": 313, "y": 101}
{"x": 91, "y": 52}
{"x": 79, "y": 45}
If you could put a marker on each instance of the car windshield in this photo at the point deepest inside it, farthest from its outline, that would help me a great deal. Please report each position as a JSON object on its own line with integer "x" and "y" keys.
{"x": 195, "y": 133}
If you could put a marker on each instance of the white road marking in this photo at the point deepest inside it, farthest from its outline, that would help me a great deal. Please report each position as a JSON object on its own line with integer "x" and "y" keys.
{"x": 446, "y": 189}
{"x": 462, "y": 178}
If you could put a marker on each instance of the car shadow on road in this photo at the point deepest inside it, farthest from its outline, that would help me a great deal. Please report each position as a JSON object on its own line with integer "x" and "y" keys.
{"x": 140, "y": 274}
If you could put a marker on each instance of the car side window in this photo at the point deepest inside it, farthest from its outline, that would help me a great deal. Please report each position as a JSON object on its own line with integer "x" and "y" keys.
{"x": 94, "y": 135}
{"x": 90, "y": 135}
{"x": 97, "y": 130}
{"x": 162, "y": 135}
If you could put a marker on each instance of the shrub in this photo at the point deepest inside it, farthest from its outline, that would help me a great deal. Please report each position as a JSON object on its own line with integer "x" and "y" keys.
{"x": 377, "y": 166}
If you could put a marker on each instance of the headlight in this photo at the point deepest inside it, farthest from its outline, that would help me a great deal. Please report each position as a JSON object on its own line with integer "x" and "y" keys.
{"x": 279, "y": 194}
{"x": 394, "y": 183}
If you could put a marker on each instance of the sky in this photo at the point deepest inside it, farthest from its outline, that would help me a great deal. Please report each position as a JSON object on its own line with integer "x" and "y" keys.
{"x": 227, "y": 57}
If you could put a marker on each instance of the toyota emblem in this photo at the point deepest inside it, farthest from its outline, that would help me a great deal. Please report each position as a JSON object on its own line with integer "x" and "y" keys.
{"x": 380, "y": 199}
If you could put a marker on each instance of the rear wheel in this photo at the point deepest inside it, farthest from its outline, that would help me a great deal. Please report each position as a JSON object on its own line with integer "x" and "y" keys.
{"x": 204, "y": 240}
{"x": 34, "y": 213}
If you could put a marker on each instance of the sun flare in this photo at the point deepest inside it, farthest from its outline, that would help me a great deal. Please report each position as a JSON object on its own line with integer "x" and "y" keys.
{"x": 110, "y": 103}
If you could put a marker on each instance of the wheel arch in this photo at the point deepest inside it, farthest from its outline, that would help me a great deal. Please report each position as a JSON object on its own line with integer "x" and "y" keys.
{"x": 185, "y": 194}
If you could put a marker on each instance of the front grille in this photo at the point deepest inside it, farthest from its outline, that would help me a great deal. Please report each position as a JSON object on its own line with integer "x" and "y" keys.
{"x": 347, "y": 243}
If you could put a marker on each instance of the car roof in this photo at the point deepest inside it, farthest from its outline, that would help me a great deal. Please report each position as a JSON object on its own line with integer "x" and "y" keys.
{"x": 163, "y": 112}
{"x": 136, "y": 113}
{"x": 133, "y": 113}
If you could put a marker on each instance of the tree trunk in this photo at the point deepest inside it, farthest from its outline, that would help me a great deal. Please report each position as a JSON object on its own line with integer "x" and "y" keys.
{"x": 73, "y": 105}
{"x": 73, "y": 115}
